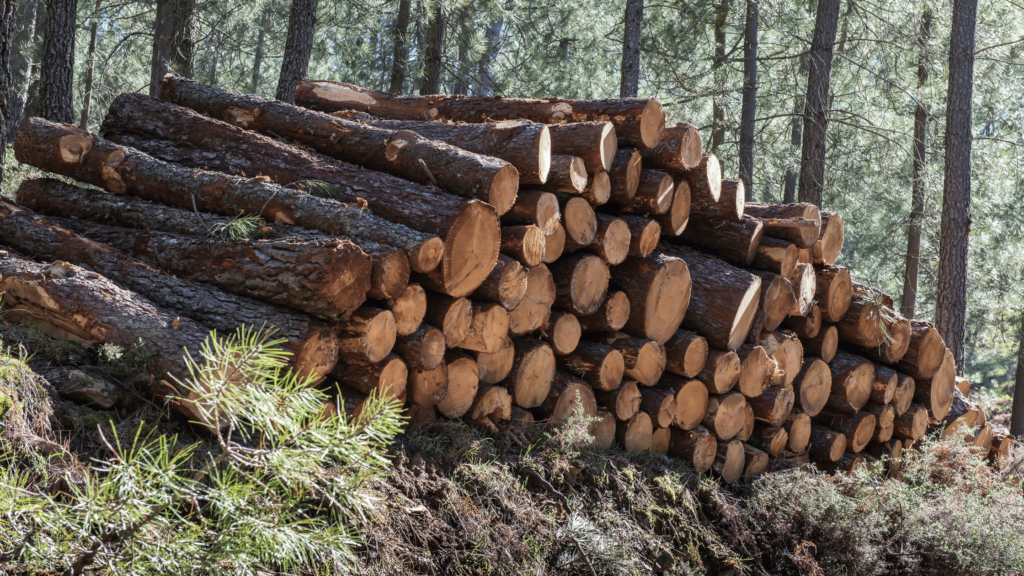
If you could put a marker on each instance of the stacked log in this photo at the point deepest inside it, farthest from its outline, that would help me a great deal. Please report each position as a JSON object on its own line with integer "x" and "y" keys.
{"x": 484, "y": 259}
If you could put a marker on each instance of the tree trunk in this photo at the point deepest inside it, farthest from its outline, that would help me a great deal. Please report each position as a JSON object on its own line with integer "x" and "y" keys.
{"x": 492, "y": 35}
{"x": 433, "y": 58}
{"x": 401, "y": 153}
{"x": 639, "y": 122}
{"x": 1017, "y": 413}
{"x": 644, "y": 359}
{"x": 795, "y": 134}
{"x": 297, "y": 48}
{"x": 632, "y": 29}
{"x": 328, "y": 279}
{"x": 257, "y": 62}
{"x": 748, "y": 115}
{"x": 183, "y": 44}
{"x": 21, "y": 44}
{"x": 400, "y": 56}
{"x": 645, "y": 280}
{"x": 717, "y": 111}
{"x": 462, "y": 72}
{"x": 817, "y": 103}
{"x": 161, "y": 45}
{"x": 314, "y": 345}
{"x": 57, "y": 70}
{"x": 7, "y": 31}
{"x": 951, "y": 298}
{"x": 908, "y": 305}
{"x": 83, "y": 122}
{"x": 94, "y": 160}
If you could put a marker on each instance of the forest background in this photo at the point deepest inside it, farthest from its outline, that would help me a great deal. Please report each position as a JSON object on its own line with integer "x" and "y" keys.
{"x": 890, "y": 63}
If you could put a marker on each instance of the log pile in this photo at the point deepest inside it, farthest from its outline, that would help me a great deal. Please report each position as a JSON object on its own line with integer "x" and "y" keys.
{"x": 487, "y": 259}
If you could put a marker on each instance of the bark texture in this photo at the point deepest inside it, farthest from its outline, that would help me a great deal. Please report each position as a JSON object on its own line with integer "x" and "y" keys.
{"x": 817, "y": 102}
{"x": 400, "y": 56}
{"x": 748, "y": 114}
{"x": 632, "y": 28}
{"x": 57, "y": 70}
{"x": 297, "y": 48}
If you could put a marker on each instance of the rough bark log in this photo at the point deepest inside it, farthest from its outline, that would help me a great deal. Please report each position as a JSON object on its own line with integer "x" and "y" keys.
{"x": 623, "y": 402}
{"x": 562, "y": 332}
{"x": 387, "y": 378}
{"x": 686, "y": 353}
{"x": 833, "y": 291}
{"x": 659, "y": 404}
{"x": 644, "y": 359}
{"x": 658, "y": 289}
{"x": 721, "y": 371}
{"x": 611, "y": 316}
{"x": 624, "y": 175}
{"x": 680, "y": 148}
{"x": 912, "y": 424}
{"x": 776, "y": 256}
{"x": 535, "y": 308}
{"x": 599, "y": 365}
{"x": 533, "y": 371}
{"x": 697, "y": 447}
{"x": 534, "y": 207}
{"x": 926, "y": 351}
{"x": 884, "y": 387}
{"x": 852, "y": 379}
{"x": 826, "y": 444}
{"x": 422, "y": 349}
{"x": 594, "y": 142}
{"x": 736, "y": 241}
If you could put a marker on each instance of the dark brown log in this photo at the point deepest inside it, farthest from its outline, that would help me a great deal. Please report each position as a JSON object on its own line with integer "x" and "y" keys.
{"x": 599, "y": 365}
{"x": 937, "y": 393}
{"x": 122, "y": 170}
{"x": 623, "y": 402}
{"x": 523, "y": 144}
{"x": 691, "y": 400}
{"x": 70, "y": 303}
{"x": 697, "y": 447}
{"x": 598, "y": 189}
{"x": 581, "y": 283}
{"x": 624, "y": 175}
{"x": 926, "y": 351}
{"x": 534, "y": 207}
{"x": 660, "y": 440}
{"x": 506, "y": 284}
{"x": 833, "y": 290}
{"x": 805, "y": 286}
{"x": 387, "y": 378}
{"x": 653, "y": 195}
{"x": 314, "y": 345}
{"x": 771, "y": 439}
{"x": 452, "y": 315}
{"x": 48, "y": 196}
{"x": 797, "y": 223}
{"x": 495, "y": 367}
{"x": 723, "y": 298}
{"x": 658, "y": 289}
{"x": 680, "y": 148}
{"x": 826, "y": 444}
{"x": 773, "y": 406}
{"x": 777, "y": 299}
{"x": 427, "y": 387}
{"x": 603, "y": 430}
{"x": 638, "y": 121}
{"x": 422, "y": 349}
{"x": 488, "y": 329}
{"x": 579, "y": 221}
{"x": 705, "y": 180}
{"x": 533, "y": 370}
{"x": 644, "y": 360}
{"x": 368, "y": 334}
{"x": 728, "y": 207}
{"x": 564, "y": 397}
{"x": 554, "y": 245}
{"x": 535, "y": 308}
{"x": 884, "y": 414}
{"x": 858, "y": 428}
{"x": 686, "y": 353}
{"x": 402, "y": 153}
{"x": 798, "y": 426}
{"x": 594, "y": 142}
{"x": 755, "y": 462}
{"x": 756, "y": 369}
{"x": 635, "y": 435}
{"x": 562, "y": 332}
{"x": 736, "y": 241}
{"x": 852, "y": 379}
{"x": 912, "y": 424}
{"x": 327, "y": 278}
{"x": 611, "y": 316}
{"x": 659, "y": 404}
{"x": 568, "y": 174}
{"x": 721, "y": 371}
{"x": 805, "y": 327}
{"x": 523, "y": 243}
{"x": 812, "y": 386}
{"x": 724, "y": 417}
{"x": 420, "y": 417}
{"x": 824, "y": 345}
{"x": 776, "y": 256}
{"x": 729, "y": 461}
{"x": 409, "y": 308}
{"x": 492, "y": 404}
{"x": 906, "y": 386}
{"x": 830, "y": 240}
{"x": 675, "y": 221}
{"x": 884, "y": 387}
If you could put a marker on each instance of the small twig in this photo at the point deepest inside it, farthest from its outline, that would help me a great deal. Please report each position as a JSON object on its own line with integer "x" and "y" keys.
{"x": 198, "y": 215}
{"x": 260, "y": 215}
{"x": 579, "y": 547}
{"x": 429, "y": 173}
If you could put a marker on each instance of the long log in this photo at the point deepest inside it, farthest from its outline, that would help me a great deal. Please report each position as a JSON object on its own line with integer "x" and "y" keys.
{"x": 658, "y": 288}
{"x": 686, "y": 353}
{"x": 71, "y": 303}
{"x": 121, "y": 170}
{"x": 936, "y": 394}
{"x": 697, "y": 446}
{"x": 593, "y": 142}
{"x": 387, "y": 378}
{"x": 926, "y": 351}
{"x": 674, "y": 222}
{"x": 680, "y": 148}
{"x": 858, "y": 428}
{"x": 833, "y": 291}
{"x": 568, "y": 174}
{"x": 797, "y": 223}
{"x": 523, "y": 144}
{"x": 313, "y": 344}
{"x": 401, "y": 153}
{"x": 328, "y": 279}
{"x": 638, "y": 122}
{"x": 735, "y": 241}
{"x": 871, "y": 324}
{"x": 723, "y": 298}
{"x": 728, "y": 207}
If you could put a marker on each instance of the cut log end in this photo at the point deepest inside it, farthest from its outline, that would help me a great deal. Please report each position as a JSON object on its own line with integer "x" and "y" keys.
{"x": 798, "y": 426}
{"x": 598, "y": 190}
{"x": 745, "y": 316}
{"x": 652, "y": 123}
{"x": 729, "y": 461}
{"x": 635, "y": 435}
{"x": 579, "y": 221}
{"x": 562, "y": 332}
{"x": 427, "y": 256}
{"x": 554, "y": 244}
{"x": 674, "y": 222}
{"x": 317, "y": 355}
{"x": 536, "y": 305}
{"x": 504, "y": 187}
{"x": 603, "y": 430}
{"x": 409, "y": 309}
{"x": 686, "y": 353}
{"x": 813, "y": 385}
{"x": 471, "y": 249}
{"x": 543, "y": 161}
{"x": 463, "y": 383}
{"x": 533, "y": 371}
{"x": 697, "y": 446}
{"x": 609, "y": 146}
{"x": 495, "y": 366}
{"x": 612, "y": 241}
{"x": 524, "y": 243}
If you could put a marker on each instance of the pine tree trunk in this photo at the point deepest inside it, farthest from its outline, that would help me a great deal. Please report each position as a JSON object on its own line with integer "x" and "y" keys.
{"x": 183, "y": 46}
{"x": 817, "y": 103}
{"x": 21, "y": 63}
{"x": 257, "y": 61}
{"x": 632, "y": 29}
{"x": 161, "y": 45}
{"x": 749, "y": 112}
{"x": 795, "y": 139}
{"x": 951, "y": 298}
{"x": 400, "y": 56}
{"x": 462, "y": 73}
{"x": 433, "y": 59}
{"x": 717, "y": 111}
{"x": 297, "y": 48}
{"x": 57, "y": 69}
{"x": 1017, "y": 414}
{"x": 7, "y": 21}
{"x": 492, "y": 35}
{"x": 908, "y": 306}
{"x": 83, "y": 122}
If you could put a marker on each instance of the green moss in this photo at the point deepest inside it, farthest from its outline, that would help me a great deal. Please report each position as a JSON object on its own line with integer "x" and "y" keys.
{"x": 6, "y": 403}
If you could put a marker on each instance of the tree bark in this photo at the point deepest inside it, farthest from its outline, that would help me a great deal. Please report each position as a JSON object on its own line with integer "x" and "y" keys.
{"x": 314, "y": 344}
{"x": 57, "y": 70}
{"x": 161, "y": 45}
{"x": 183, "y": 44}
{"x": 736, "y": 242}
{"x": 297, "y": 48}
{"x": 908, "y": 306}
{"x": 400, "y": 153}
{"x": 7, "y": 31}
{"x": 645, "y": 281}
{"x": 748, "y": 115}
{"x": 83, "y": 122}
{"x": 639, "y": 122}
{"x": 257, "y": 61}
{"x": 20, "y": 43}
{"x": 400, "y": 56}
{"x": 717, "y": 111}
{"x": 632, "y": 29}
{"x": 433, "y": 59}
{"x": 951, "y": 297}
{"x": 1017, "y": 413}
{"x": 817, "y": 103}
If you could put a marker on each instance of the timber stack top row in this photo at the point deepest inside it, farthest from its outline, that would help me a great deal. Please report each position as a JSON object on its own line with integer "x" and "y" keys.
{"x": 497, "y": 260}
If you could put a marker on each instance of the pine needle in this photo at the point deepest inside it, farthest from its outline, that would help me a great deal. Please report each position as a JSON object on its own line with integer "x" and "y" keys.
{"x": 239, "y": 228}
{"x": 317, "y": 188}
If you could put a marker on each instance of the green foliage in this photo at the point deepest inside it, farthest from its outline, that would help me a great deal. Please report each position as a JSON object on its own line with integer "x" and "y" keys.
{"x": 275, "y": 488}
{"x": 241, "y": 227}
